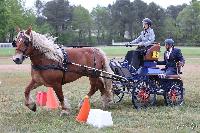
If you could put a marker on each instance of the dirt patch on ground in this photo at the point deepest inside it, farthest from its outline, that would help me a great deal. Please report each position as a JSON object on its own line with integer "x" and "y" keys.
{"x": 11, "y": 68}
{"x": 6, "y": 66}
{"x": 191, "y": 68}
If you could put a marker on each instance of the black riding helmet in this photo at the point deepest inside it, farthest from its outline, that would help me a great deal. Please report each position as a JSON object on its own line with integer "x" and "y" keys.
{"x": 147, "y": 21}
{"x": 169, "y": 42}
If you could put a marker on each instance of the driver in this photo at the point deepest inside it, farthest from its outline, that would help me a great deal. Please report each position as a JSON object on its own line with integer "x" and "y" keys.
{"x": 147, "y": 36}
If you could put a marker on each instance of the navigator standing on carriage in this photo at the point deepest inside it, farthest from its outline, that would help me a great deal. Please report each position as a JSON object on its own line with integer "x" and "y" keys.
{"x": 147, "y": 36}
{"x": 173, "y": 58}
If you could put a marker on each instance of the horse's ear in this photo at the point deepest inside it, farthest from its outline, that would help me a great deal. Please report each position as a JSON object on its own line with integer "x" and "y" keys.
{"x": 17, "y": 29}
{"x": 29, "y": 30}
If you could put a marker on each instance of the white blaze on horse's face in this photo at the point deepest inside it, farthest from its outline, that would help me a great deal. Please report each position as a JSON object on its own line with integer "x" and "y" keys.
{"x": 21, "y": 48}
{"x": 18, "y": 58}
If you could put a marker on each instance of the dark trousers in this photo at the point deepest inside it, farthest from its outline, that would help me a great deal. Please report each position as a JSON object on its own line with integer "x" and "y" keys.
{"x": 142, "y": 52}
{"x": 133, "y": 58}
{"x": 171, "y": 71}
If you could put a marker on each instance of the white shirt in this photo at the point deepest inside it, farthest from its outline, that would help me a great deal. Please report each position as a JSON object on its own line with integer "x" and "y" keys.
{"x": 167, "y": 54}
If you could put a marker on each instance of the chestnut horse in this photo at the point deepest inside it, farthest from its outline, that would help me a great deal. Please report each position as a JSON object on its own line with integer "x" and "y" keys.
{"x": 47, "y": 67}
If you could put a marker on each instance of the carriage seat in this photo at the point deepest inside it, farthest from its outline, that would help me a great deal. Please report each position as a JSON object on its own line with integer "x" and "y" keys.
{"x": 120, "y": 70}
{"x": 152, "y": 54}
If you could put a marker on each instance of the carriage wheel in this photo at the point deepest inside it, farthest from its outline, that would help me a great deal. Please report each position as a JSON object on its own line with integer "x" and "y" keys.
{"x": 174, "y": 95}
{"x": 143, "y": 95}
{"x": 118, "y": 91}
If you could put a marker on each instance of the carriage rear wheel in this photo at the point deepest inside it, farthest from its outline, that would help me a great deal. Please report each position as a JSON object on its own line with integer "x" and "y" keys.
{"x": 143, "y": 95}
{"x": 174, "y": 95}
{"x": 118, "y": 91}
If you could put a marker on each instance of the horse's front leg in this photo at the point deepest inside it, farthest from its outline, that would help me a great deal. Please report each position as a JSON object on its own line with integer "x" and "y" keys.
{"x": 29, "y": 102}
{"x": 64, "y": 103}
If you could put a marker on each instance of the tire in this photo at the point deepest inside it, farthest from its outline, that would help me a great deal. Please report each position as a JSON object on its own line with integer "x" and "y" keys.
{"x": 174, "y": 94}
{"x": 143, "y": 95}
{"x": 118, "y": 91}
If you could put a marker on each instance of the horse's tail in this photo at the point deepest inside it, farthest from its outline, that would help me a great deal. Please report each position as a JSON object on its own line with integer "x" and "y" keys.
{"x": 107, "y": 81}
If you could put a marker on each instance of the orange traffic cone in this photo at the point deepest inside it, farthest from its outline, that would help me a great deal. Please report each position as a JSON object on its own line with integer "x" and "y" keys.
{"x": 52, "y": 102}
{"x": 41, "y": 98}
{"x": 84, "y": 111}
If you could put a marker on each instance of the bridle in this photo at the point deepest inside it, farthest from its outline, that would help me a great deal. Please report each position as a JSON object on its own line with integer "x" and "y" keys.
{"x": 26, "y": 40}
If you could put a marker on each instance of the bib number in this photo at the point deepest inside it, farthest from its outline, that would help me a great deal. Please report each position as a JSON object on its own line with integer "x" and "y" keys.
{"x": 155, "y": 54}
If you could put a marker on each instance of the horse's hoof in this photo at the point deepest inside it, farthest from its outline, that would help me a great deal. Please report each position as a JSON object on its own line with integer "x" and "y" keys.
{"x": 32, "y": 107}
{"x": 64, "y": 112}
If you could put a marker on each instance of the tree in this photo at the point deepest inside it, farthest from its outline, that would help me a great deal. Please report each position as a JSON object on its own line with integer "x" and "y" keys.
{"x": 40, "y": 20}
{"x": 81, "y": 22}
{"x": 138, "y": 13}
{"x": 3, "y": 18}
{"x": 173, "y": 11}
{"x": 58, "y": 13}
{"x": 101, "y": 18}
{"x": 157, "y": 15}
{"x": 188, "y": 21}
{"x": 120, "y": 13}
{"x": 17, "y": 16}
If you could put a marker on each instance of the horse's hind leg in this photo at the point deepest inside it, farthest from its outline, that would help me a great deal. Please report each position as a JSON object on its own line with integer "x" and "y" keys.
{"x": 29, "y": 102}
{"x": 97, "y": 83}
{"x": 93, "y": 89}
{"x": 105, "y": 94}
{"x": 64, "y": 104}
{"x": 93, "y": 86}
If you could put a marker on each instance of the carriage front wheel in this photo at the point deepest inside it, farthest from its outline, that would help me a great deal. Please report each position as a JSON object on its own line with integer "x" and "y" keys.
{"x": 174, "y": 94}
{"x": 143, "y": 95}
{"x": 118, "y": 91}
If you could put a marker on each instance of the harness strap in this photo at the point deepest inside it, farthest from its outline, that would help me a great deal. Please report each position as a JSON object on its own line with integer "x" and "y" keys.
{"x": 94, "y": 59}
{"x": 65, "y": 61}
{"x": 47, "y": 67}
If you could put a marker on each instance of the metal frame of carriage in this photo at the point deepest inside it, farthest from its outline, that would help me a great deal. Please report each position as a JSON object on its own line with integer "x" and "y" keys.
{"x": 146, "y": 81}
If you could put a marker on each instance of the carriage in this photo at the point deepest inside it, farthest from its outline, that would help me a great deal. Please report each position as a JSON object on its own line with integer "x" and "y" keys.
{"x": 145, "y": 80}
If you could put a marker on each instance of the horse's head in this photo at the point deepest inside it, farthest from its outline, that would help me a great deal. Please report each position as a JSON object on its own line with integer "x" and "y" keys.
{"x": 23, "y": 45}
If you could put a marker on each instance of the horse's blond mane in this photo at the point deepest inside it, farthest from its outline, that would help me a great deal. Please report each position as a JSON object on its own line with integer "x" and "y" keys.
{"x": 46, "y": 45}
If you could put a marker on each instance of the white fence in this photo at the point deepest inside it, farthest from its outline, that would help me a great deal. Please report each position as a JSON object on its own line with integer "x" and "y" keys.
{"x": 6, "y": 45}
{"x": 118, "y": 43}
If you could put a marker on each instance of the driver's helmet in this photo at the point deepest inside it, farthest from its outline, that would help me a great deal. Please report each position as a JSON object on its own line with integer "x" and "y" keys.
{"x": 169, "y": 42}
{"x": 147, "y": 21}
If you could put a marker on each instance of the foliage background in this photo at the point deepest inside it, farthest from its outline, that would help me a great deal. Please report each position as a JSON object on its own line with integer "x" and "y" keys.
{"x": 75, "y": 25}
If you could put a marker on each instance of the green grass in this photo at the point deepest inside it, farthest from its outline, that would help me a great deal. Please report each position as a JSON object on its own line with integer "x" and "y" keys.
{"x": 6, "y": 52}
{"x": 119, "y": 50}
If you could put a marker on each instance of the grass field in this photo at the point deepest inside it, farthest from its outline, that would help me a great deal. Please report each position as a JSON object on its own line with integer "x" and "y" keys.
{"x": 118, "y": 51}
{"x": 15, "y": 117}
